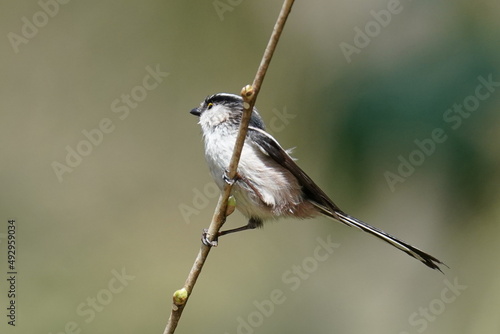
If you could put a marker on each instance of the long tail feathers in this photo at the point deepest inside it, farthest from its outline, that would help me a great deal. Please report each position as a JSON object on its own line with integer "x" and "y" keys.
{"x": 429, "y": 260}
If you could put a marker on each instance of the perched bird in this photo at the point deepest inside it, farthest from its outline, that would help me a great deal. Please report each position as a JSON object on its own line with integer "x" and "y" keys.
{"x": 268, "y": 183}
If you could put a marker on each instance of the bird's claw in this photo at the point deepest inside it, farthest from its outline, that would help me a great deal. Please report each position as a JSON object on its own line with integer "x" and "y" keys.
{"x": 227, "y": 179}
{"x": 206, "y": 241}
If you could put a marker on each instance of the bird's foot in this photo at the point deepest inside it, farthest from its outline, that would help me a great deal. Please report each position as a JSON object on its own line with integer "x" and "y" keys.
{"x": 206, "y": 241}
{"x": 229, "y": 180}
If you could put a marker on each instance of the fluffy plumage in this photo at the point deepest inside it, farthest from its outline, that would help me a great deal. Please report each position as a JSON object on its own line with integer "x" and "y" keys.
{"x": 269, "y": 183}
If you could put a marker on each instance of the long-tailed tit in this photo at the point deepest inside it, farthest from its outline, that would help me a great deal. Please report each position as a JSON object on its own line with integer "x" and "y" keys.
{"x": 269, "y": 184}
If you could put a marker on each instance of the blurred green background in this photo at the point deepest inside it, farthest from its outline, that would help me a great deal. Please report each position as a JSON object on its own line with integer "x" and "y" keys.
{"x": 135, "y": 205}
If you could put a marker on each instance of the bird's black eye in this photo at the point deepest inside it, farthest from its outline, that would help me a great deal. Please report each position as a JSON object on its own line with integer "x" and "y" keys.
{"x": 210, "y": 105}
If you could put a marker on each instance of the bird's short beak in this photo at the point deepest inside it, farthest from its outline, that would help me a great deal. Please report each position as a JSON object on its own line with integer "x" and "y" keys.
{"x": 195, "y": 111}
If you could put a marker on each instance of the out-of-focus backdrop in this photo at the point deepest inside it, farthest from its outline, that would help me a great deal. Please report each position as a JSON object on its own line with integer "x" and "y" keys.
{"x": 392, "y": 105}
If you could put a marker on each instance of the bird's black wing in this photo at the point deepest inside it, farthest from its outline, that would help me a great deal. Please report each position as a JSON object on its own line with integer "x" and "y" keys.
{"x": 272, "y": 148}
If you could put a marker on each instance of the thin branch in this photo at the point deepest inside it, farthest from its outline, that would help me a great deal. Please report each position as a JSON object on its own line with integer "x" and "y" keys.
{"x": 249, "y": 95}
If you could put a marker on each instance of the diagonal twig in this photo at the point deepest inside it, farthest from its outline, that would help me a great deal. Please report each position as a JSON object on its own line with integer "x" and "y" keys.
{"x": 249, "y": 95}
